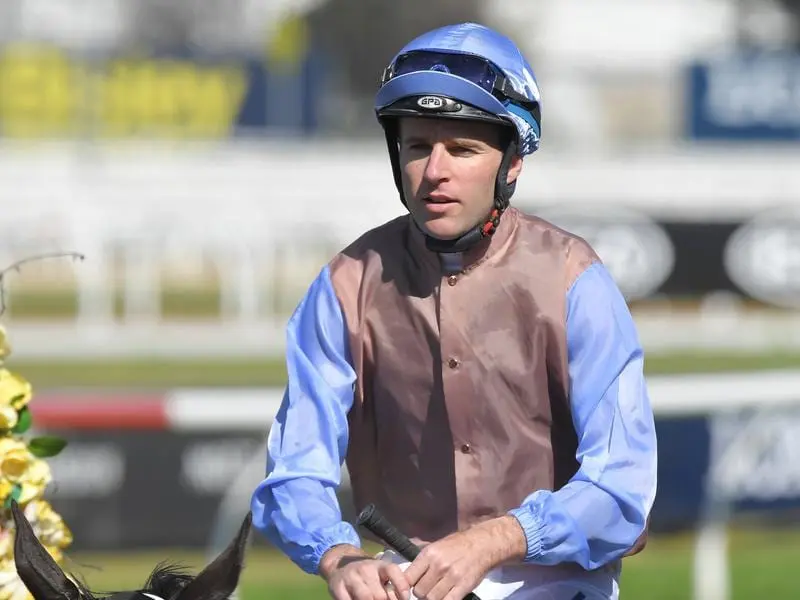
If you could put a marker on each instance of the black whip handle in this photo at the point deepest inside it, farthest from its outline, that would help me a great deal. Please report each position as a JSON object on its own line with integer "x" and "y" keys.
{"x": 371, "y": 519}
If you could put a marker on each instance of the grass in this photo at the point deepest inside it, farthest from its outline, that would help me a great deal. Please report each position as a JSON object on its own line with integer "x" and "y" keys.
{"x": 59, "y": 304}
{"x": 153, "y": 373}
{"x": 270, "y": 371}
{"x": 202, "y": 298}
{"x": 201, "y": 301}
{"x": 762, "y": 566}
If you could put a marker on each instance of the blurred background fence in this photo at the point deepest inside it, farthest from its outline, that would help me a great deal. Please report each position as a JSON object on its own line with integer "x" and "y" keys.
{"x": 208, "y": 158}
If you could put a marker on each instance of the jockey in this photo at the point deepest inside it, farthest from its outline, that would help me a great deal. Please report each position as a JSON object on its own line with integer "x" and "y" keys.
{"x": 475, "y": 366}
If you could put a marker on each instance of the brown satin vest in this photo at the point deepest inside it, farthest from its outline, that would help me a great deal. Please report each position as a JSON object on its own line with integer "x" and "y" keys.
{"x": 462, "y": 398}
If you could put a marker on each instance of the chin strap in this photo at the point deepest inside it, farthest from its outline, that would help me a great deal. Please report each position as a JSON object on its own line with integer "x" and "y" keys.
{"x": 502, "y": 197}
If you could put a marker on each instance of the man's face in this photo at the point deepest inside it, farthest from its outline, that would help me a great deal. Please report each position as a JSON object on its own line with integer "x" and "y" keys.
{"x": 449, "y": 171}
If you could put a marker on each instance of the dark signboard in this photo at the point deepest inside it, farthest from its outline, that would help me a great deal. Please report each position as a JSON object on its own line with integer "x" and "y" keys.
{"x": 755, "y": 258}
{"x": 746, "y": 96}
{"x": 145, "y": 488}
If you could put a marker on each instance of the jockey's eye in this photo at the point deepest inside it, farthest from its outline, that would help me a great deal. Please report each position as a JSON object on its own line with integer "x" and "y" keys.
{"x": 417, "y": 147}
{"x": 459, "y": 150}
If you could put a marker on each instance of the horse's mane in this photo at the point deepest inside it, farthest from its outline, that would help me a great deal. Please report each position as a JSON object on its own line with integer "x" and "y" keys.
{"x": 166, "y": 581}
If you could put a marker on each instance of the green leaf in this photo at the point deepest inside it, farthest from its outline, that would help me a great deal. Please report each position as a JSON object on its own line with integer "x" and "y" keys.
{"x": 24, "y": 422}
{"x": 16, "y": 492}
{"x": 46, "y": 446}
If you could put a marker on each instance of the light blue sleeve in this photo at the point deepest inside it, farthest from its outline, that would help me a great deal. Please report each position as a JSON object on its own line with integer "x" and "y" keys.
{"x": 295, "y": 507}
{"x": 602, "y": 510}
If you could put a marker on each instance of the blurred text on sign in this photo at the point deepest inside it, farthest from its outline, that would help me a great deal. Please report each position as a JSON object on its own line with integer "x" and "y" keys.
{"x": 745, "y": 96}
{"x": 46, "y": 92}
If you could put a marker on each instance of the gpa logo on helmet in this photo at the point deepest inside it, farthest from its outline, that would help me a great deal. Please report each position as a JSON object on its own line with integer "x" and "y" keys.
{"x": 432, "y": 102}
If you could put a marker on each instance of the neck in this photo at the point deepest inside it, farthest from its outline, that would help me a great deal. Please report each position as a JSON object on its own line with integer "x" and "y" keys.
{"x": 452, "y": 262}
{"x": 463, "y": 243}
{"x": 474, "y": 237}
{"x": 456, "y": 258}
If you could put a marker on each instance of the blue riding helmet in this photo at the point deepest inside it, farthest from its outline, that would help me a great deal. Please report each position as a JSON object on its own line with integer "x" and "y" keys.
{"x": 464, "y": 71}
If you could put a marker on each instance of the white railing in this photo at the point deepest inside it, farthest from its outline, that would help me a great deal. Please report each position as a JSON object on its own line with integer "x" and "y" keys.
{"x": 263, "y": 218}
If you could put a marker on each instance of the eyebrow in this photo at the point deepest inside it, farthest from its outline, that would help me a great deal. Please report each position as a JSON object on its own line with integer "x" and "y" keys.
{"x": 414, "y": 139}
{"x": 457, "y": 141}
{"x": 469, "y": 143}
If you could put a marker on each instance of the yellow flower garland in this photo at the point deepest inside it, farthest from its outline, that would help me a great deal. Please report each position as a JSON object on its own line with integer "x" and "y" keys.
{"x": 24, "y": 476}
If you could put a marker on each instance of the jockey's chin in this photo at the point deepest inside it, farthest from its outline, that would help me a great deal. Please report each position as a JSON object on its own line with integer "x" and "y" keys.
{"x": 448, "y": 225}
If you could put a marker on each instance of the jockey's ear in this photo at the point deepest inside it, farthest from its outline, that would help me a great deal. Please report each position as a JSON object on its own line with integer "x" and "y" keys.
{"x": 36, "y": 568}
{"x": 220, "y": 578}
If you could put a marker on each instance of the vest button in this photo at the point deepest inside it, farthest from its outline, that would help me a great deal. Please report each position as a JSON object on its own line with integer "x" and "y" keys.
{"x": 452, "y": 280}
{"x": 453, "y": 363}
{"x": 466, "y": 448}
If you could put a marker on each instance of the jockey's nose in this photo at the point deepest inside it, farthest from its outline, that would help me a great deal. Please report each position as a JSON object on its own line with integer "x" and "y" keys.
{"x": 437, "y": 167}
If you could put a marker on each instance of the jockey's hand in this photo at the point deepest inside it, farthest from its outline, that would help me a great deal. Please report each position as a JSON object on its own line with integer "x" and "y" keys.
{"x": 357, "y": 576}
{"x": 452, "y": 567}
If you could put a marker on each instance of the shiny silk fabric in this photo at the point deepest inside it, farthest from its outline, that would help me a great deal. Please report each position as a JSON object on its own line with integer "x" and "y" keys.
{"x": 461, "y": 403}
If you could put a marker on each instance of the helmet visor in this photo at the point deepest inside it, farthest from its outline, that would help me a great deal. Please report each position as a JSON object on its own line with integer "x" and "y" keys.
{"x": 473, "y": 68}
